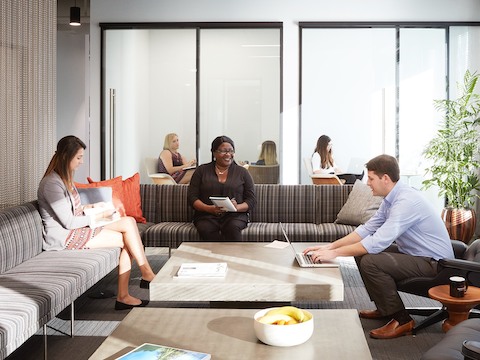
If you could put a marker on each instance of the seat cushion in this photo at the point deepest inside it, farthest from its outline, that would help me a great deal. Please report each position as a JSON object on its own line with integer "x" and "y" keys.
{"x": 450, "y": 347}
{"x": 35, "y": 291}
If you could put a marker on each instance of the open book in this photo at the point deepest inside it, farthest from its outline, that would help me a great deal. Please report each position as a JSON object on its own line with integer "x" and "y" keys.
{"x": 104, "y": 215}
{"x": 158, "y": 352}
{"x": 223, "y": 202}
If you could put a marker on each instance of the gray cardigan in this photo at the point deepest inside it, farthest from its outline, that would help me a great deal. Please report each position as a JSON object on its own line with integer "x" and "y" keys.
{"x": 57, "y": 211}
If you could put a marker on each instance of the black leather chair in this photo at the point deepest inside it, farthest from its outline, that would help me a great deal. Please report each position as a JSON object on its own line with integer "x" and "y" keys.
{"x": 466, "y": 264}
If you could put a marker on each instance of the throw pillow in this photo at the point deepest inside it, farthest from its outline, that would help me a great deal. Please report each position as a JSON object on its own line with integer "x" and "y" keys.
{"x": 130, "y": 195}
{"x": 361, "y": 205}
{"x": 131, "y": 198}
{"x": 117, "y": 190}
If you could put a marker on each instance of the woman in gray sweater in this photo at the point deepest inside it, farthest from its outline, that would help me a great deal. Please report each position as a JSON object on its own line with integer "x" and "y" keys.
{"x": 66, "y": 227}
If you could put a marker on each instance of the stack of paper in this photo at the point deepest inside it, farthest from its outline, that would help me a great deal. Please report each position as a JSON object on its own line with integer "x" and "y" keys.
{"x": 202, "y": 270}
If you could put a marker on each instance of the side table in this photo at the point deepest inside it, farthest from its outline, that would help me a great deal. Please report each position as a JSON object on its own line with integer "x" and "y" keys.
{"x": 457, "y": 308}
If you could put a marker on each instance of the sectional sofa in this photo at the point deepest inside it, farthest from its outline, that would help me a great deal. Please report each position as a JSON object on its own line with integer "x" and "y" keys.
{"x": 310, "y": 213}
{"x": 36, "y": 285}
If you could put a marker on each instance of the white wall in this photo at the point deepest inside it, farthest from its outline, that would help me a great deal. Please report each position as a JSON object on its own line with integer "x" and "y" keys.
{"x": 287, "y": 11}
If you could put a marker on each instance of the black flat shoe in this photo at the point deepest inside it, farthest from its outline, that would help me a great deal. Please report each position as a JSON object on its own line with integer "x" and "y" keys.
{"x": 122, "y": 306}
{"x": 144, "y": 284}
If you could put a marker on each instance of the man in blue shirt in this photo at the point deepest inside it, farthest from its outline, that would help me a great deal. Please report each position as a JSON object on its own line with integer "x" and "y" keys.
{"x": 406, "y": 218}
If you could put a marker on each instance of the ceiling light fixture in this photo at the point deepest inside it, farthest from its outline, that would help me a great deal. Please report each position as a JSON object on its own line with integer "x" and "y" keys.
{"x": 75, "y": 15}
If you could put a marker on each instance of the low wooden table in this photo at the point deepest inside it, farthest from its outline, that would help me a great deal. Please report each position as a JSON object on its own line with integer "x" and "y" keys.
{"x": 458, "y": 308}
{"x": 228, "y": 334}
{"x": 255, "y": 274}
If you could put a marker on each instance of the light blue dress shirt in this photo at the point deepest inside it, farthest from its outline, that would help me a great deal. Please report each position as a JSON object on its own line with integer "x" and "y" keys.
{"x": 406, "y": 217}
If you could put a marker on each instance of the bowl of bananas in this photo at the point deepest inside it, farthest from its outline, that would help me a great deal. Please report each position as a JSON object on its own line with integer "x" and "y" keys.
{"x": 283, "y": 326}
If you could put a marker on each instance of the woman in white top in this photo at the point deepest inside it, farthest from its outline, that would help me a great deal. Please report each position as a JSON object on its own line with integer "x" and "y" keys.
{"x": 323, "y": 162}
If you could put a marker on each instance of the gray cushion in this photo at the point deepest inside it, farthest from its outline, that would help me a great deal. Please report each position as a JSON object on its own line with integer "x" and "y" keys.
{"x": 360, "y": 205}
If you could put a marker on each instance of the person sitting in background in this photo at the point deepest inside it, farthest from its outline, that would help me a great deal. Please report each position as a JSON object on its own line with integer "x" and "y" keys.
{"x": 171, "y": 162}
{"x": 221, "y": 177}
{"x": 268, "y": 154}
{"x": 323, "y": 162}
{"x": 66, "y": 227}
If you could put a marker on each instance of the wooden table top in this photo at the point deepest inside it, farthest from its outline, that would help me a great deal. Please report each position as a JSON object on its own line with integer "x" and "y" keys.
{"x": 442, "y": 294}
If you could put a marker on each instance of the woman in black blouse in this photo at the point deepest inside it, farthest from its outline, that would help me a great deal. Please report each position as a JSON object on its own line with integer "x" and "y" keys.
{"x": 221, "y": 177}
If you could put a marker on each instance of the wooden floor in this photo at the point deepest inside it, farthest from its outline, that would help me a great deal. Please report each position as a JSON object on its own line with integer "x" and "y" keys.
{"x": 96, "y": 319}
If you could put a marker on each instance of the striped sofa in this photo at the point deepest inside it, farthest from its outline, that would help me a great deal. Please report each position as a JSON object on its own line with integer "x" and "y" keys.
{"x": 308, "y": 212}
{"x": 36, "y": 285}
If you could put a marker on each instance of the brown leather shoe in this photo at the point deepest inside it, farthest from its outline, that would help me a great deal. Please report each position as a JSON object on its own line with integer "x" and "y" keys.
{"x": 392, "y": 330}
{"x": 370, "y": 314}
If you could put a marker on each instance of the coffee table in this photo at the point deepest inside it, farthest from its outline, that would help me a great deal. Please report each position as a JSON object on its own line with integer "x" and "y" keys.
{"x": 228, "y": 334}
{"x": 457, "y": 308}
{"x": 255, "y": 274}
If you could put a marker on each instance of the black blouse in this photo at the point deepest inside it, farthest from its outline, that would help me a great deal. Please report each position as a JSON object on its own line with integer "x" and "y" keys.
{"x": 204, "y": 183}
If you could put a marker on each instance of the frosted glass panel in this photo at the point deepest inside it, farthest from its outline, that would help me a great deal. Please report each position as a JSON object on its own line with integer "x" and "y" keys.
{"x": 153, "y": 73}
{"x": 348, "y": 93}
{"x": 422, "y": 79}
{"x": 239, "y": 89}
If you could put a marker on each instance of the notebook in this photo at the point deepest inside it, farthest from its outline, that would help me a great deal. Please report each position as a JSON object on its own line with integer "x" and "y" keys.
{"x": 305, "y": 260}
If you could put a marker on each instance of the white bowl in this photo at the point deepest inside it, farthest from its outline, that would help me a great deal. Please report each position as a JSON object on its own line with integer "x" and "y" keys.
{"x": 283, "y": 335}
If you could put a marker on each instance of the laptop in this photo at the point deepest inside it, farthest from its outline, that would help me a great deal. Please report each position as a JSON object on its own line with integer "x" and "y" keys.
{"x": 305, "y": 260}
{"x": 356, "y": 166}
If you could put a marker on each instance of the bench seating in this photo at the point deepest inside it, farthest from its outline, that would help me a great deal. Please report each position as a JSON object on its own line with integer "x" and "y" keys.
{"x": 36, "y": 285}
{"x": 308, "y": 212}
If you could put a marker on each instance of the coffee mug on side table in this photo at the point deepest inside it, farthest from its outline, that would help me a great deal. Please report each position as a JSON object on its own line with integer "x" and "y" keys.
{"x": 458, "y": 286}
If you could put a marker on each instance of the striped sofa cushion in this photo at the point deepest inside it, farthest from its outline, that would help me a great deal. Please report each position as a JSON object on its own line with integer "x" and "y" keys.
{"x": 148, "y": 197}
{"x": 172, "y": 205}
{"x": 329, "y": 200}
{"x": 35, "y": 291}
{"x": 284, "y": 203}
{"x": 19, "y": 222}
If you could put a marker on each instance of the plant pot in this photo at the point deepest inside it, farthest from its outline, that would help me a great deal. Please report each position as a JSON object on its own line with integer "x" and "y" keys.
{"x": 460, "y": 223}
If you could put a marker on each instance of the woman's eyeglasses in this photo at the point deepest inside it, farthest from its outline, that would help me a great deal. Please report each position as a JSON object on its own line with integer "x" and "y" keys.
{"x": 225, "y": 152}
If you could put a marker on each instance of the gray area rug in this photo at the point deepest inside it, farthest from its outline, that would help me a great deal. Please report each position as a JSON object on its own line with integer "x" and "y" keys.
{"x": 96, "y": 319}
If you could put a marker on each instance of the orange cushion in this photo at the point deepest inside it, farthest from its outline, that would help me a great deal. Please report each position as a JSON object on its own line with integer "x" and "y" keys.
{"x": 117, "y": 190}
{"x": 128, "y": 192}
{"x": 131, "y": 198}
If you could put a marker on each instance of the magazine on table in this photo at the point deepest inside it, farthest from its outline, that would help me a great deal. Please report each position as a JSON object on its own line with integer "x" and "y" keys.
{"x": 223, "y": 202}
{"x": 202, "y": 270}
{"x": 159, "y": 352}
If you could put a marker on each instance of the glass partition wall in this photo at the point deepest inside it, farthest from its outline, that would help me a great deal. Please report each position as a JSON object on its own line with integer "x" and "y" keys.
{"x": 193, "y": 81}
{"x": 371, "y": 88}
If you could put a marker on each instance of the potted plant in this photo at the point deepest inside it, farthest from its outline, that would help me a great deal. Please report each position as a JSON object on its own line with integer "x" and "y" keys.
{"x": 454, "y": 157}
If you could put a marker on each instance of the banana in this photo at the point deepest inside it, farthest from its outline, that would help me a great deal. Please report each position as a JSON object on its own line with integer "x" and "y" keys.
{"x": 291, "y": 311}
{"x": 274, "y": 318}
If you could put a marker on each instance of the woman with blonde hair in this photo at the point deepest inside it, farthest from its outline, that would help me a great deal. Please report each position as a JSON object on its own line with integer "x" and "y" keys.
{"x": 268, "y": 154}
{"x": 171, "y": 162}
{"x": 66, "y": 227}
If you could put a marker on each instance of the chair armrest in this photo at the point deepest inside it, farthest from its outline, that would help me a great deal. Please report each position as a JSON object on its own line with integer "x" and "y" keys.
{"x": 463, "y": 265}
{"x": 471, "y": 349}
{"x": 459, "y": 248}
